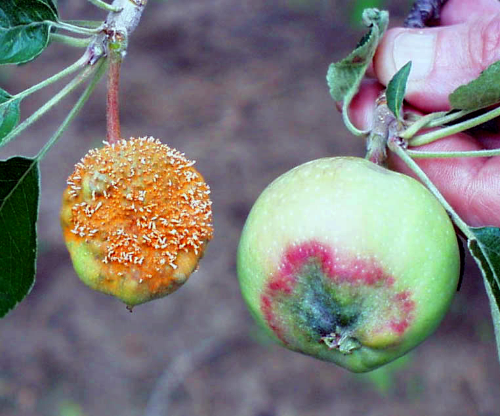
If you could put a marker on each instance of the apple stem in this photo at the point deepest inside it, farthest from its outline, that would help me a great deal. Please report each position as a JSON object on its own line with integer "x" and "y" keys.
{"x": 396, "y": 145}
{"x": 112, "y": 103}
{"x": 123, "y": 18}
{"x": 385, "y": 124}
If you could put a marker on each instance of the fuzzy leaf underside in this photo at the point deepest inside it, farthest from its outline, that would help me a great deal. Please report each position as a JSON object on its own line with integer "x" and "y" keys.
{"x": 479, "y": 93}
{"x": 24, "y": 29}
{"x": 19, "y": 196}
{"x": 396, "y": 90}
{"x": 9, "y": 113}
{"x": 344, "y": 77}
{"x": 486, "y": 252}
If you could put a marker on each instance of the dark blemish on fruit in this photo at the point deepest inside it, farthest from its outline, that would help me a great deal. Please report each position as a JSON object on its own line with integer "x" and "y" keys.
{"x": 317, "y": 293}
{"x": 319, "y": 309}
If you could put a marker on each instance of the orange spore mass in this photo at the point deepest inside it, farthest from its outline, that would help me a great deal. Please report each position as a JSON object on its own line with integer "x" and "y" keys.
{"x": 143, "y": 210}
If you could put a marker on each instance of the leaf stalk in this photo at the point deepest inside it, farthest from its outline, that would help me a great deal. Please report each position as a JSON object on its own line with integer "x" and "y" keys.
{"x": 70, "y": 40}
{"x": 74, "y": 83}
{"x": 98, "y": 72}
{"x": 74, "y": 29}
{"x": 434, "y": 135}
{"x": 396, "y": 146}
{"x": 80, "y": 63}
{"x": 417, "y": 154}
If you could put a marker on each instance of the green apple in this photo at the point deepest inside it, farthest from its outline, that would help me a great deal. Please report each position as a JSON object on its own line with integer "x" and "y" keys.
{"x": 348, "y": 262}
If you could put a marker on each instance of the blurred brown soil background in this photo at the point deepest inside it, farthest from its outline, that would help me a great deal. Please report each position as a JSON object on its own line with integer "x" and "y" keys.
{"x": 240, "y": 87}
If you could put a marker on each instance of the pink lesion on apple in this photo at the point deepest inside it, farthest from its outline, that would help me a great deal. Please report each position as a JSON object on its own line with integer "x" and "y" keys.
{"x": 391, "y": 323}
{"x": 342, "y": 270}
{"x": 405, "y": 305}
{"x": 339, "y": 268}
{"x": 266, "y": 306}
{"x": 360, "y": 272}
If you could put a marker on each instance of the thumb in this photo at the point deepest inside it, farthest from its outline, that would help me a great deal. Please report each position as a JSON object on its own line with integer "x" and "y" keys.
{"x": 443, "y": 58}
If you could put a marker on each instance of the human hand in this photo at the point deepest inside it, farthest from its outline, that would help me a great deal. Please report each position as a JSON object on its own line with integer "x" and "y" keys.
{"x": 444, "y": 58}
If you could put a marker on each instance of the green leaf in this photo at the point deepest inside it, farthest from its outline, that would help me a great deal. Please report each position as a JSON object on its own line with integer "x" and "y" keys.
{"x": 486, "y": 251}
{"x": 24, "y": 29}
{"x": 396, "y": 90}
{"x": 9, "y": 113}
{"x": 344, "y": 77}
{"x": 479, "y": 93}
{"x": 19, "y": 195}
{"x": 52, "y": 4}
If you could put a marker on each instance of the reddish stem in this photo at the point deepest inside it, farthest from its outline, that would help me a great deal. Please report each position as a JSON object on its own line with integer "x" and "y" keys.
{"x": 112, "y": 107}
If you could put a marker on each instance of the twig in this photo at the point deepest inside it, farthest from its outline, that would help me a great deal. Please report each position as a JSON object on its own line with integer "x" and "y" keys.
{"x": 424, "y": 13}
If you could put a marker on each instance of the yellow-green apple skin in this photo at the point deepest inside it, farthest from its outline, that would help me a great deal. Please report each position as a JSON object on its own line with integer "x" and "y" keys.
{"x": 348, "y": 262}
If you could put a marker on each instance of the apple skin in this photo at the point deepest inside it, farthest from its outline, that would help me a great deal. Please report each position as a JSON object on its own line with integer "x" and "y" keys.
{"x": 348, "y": 262}
{"x": 136, "y": 218}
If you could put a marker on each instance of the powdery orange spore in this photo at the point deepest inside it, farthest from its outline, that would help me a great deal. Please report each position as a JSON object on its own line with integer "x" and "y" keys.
{"x": 143, "y": 210}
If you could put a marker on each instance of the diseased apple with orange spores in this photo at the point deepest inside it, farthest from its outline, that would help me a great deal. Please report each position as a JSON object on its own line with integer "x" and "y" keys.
{"x": 136, "y": 217}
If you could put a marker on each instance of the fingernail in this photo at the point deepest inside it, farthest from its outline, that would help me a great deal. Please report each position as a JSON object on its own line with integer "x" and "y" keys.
{"x": 419, "y": 48}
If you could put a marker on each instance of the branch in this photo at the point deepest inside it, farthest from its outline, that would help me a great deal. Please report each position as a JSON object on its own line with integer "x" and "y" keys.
{"x": 120, "y": 23}
{"x": 424, "y": 13}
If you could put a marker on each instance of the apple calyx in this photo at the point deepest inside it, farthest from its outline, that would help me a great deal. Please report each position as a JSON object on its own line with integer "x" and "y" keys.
{"x": 341, "y": 341}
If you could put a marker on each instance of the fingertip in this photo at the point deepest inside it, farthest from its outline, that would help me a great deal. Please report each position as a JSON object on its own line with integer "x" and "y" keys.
{"x": 443, "y": 58}
{"x": 460, "y": 11}
{"x": 384, "y": 65}
{"x": 400, "y": 46}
